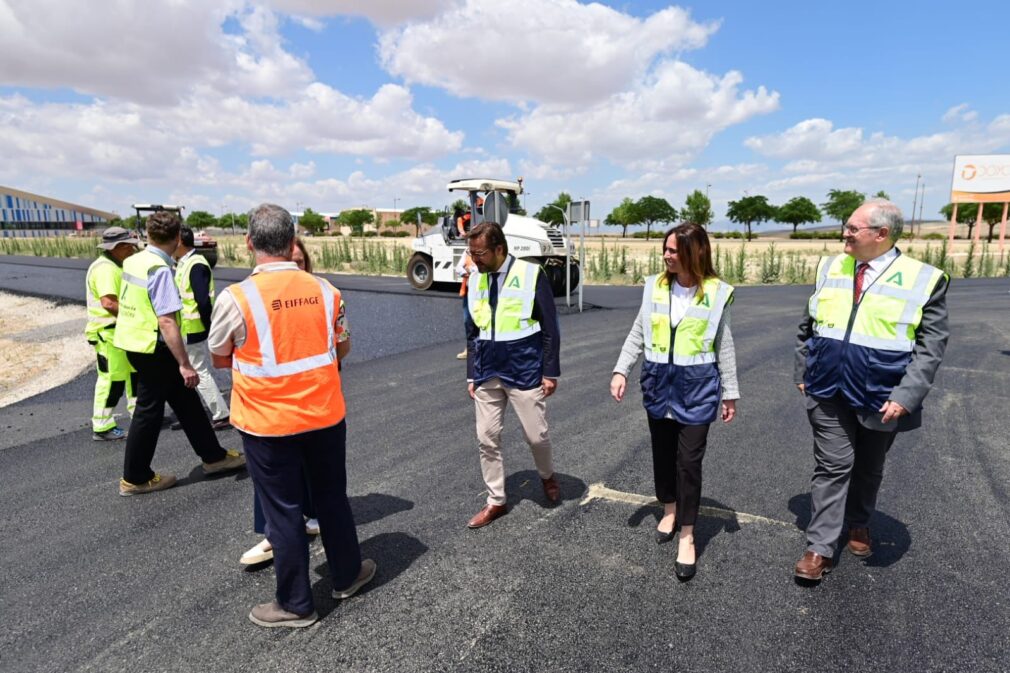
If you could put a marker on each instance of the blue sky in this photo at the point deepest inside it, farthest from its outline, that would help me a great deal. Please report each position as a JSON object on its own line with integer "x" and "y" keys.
{"x": 222, "y": 104}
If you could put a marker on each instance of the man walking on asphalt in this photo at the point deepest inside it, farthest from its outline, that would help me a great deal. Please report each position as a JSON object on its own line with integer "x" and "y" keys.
{"x": 148, "y": 330}
{"x": 873, "y": 336}
{"x": 513, "y": 346}
{"x": 195, "y": 281}
{"x": 278, "y": 330}
{"x": 115, "y": 376}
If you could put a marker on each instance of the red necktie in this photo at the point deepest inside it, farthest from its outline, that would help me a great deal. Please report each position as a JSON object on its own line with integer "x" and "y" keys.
{"x": 860, "y": 273}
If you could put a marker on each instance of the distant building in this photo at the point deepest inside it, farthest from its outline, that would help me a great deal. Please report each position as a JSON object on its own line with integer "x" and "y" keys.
{"x": 26, "y": 214}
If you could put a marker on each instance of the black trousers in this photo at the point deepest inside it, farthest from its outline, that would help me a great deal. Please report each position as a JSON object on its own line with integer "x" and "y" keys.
{"x": 279, "y": 467}
{"x": 158, "y": 382}
{"x": 677, "y": 452}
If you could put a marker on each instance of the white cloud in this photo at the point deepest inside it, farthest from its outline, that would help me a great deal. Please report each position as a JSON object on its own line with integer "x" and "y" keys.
{"x": 815, "y": 145}
{"x": 379, "y": 12}
{"x": 554, "y": 51}
{"x": 130, "y": 141}
{"x": 150, "y": 52}
{"x": 960, "y": 113}
{"x": 659, "y": 126}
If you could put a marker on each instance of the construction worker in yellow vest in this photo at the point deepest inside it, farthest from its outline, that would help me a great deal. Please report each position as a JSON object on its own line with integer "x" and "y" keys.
{"x": 115, "y": 375}
{"x": 148, "y": 330}
{"x": 195, "y": 280}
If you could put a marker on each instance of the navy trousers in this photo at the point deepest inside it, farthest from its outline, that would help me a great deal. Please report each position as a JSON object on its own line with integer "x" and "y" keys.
{"x": 279, "y": 467}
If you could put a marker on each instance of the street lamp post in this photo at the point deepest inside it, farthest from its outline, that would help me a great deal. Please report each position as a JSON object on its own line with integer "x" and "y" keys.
{"x": 915, "y": 199}
{"x": 707, "y": 187}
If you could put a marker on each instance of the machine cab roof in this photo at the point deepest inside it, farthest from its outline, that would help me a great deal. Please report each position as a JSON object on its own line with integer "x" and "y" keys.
{"x": 486, "y": 185}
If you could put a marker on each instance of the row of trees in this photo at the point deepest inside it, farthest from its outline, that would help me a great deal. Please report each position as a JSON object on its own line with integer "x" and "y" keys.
{"x": 750, "y": 210}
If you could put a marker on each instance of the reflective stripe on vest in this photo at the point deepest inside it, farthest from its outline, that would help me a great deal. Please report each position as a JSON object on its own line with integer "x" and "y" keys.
{"x": 270, "y": 367}
{"x": 137, "y": 326}
{"x": 98, "y": 317}
{"x": 694, "y": 343}
{"x": 513, "y": 315}
{"x": 888, "y": 313}
{"x": 191, "y": 323}
{"x": 285, "y": 379}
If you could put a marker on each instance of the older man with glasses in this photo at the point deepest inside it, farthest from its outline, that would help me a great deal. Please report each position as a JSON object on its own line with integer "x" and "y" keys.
{"x": 871, "y": 340}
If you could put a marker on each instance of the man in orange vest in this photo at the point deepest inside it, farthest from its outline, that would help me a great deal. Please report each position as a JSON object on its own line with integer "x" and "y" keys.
{"x": 279, "y": 331}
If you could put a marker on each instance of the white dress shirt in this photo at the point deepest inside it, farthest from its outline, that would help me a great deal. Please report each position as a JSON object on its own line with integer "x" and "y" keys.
{"x": 877, "y": 266}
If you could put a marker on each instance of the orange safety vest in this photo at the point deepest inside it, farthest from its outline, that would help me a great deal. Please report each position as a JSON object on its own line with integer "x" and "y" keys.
{"x": 285, "y": 378}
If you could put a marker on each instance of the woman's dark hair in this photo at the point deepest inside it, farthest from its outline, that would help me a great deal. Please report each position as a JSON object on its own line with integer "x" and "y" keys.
{"x": 694, "y": 253}
{"x": 305, "y": 253}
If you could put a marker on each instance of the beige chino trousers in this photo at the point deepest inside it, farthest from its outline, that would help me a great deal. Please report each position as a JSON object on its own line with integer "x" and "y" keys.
{"x": 209, "y": 392}
{"x": 490, "y": 400}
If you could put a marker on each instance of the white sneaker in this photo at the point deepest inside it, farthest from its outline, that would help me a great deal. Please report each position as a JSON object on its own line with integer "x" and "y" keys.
{"x": 312, "y": 527}
{"x": 261, "y": 553}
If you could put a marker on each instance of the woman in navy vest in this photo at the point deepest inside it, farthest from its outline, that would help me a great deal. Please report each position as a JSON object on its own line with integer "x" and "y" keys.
{"x": 688, "y": 377}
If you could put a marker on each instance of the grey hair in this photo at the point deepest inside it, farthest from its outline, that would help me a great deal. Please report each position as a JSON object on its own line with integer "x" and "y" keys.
{"x": 271, "y": 230}
{"x": 885, "y": 214}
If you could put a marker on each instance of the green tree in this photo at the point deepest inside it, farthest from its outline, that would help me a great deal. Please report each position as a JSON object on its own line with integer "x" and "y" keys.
{"x": 312, "y": 221}
{"x": 798, "y": 210}
{"x": 553, "y": 215}
{"x": 356, "y": 219}
{"x": 422, "y": 213}
{"x": 653, "y": 209}
{"x": 841, "y": 204}
{"x": 992, "y": 213}
{"x": 882, "y": 195}
{"x": 200, "y": 219}
{"x": 623, "y": 215}
{"x": 750, "y": 210}
{"x": 460, "y": 205}
{"x": 236, "y": 220}
{"x": 697, "y": 209}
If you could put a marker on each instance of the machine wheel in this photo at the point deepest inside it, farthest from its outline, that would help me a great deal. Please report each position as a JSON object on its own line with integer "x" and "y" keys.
{"x": 420, "y": 272}
{"x": 556, "y": 276}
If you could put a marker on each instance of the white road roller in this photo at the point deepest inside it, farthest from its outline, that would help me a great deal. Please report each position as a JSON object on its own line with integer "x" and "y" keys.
{"x": 438, "y": 251}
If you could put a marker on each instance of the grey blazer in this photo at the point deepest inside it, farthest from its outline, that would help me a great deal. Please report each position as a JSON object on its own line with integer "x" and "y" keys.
{"x": 930, "y": 344}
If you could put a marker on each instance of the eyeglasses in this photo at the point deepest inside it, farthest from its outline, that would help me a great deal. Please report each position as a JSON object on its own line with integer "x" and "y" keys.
{"x": 476, "y": 254}
{"x": 854, "y": 230}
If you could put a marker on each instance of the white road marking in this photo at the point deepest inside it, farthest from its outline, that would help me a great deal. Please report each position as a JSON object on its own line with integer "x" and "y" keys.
{"x": 599, "y": 491}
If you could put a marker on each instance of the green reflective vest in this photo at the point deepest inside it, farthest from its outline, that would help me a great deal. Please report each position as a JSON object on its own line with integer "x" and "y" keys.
{"x": 137, "y": 327}
{"x": 694, "y": 343}
{"x": 513, "y": 315}
{"x": 103, "y": 273}
{"x": 191, "y": 322}
{"x": 890, "y": 310}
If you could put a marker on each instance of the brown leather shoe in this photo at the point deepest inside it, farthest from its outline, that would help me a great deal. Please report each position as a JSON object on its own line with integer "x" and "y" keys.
{"x": 551, "y": 488}
{"x": 859, "y": 542}
{"x": 487, "y": 515}
{"x": 812, "y": 566}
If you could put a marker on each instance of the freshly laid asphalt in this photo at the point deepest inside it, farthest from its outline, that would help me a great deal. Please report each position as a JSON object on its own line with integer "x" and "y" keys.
{"x": 90, "y": 581}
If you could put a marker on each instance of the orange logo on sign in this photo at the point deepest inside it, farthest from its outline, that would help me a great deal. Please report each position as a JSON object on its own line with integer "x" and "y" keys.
{"x": 968, "y": 172}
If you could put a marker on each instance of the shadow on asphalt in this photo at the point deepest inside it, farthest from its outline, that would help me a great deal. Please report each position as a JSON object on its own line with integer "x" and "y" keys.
{"x": 891, "y": 539}
{"x": 526, "y": 485}
{"x": 705, "y": 528}
{"x": 375, "y": 506}
{"x": 393, "y": 554}
{"x": 196, "y": 475}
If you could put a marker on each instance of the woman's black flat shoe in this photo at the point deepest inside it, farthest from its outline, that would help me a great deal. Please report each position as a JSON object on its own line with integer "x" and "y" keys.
{"x": 662, "y": 538}
{"x": 684, "y": 571}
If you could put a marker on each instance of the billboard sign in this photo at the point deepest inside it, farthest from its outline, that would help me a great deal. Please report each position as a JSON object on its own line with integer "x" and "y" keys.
{"x": 981, "y": 178}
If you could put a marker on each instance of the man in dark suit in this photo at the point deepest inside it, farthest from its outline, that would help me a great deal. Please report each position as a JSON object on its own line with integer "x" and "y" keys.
{"x": 869, "y": 345}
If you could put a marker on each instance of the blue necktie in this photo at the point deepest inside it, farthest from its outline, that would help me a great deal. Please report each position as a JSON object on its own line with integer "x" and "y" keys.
{"x": 492, "y": 291}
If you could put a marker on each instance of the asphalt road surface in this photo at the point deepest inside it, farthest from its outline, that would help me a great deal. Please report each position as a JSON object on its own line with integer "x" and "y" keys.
{"x": 90, "y": 581}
